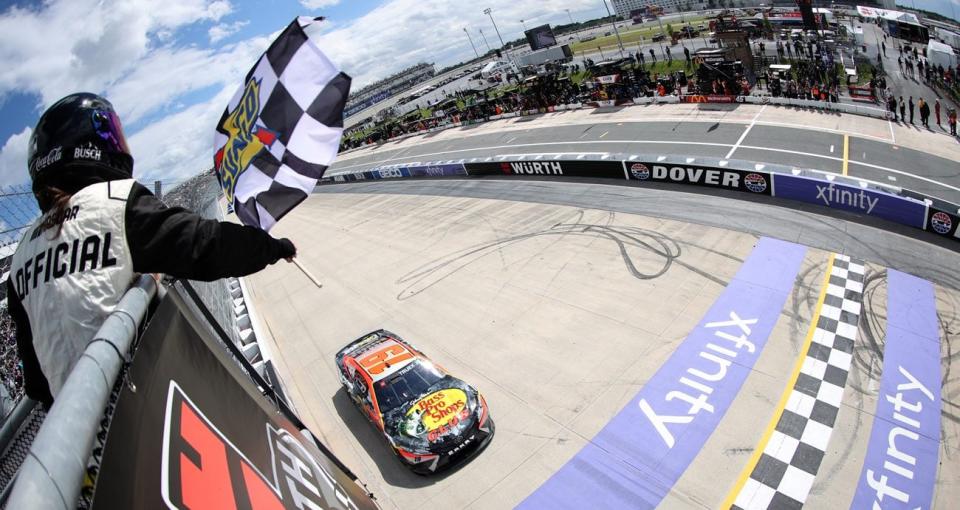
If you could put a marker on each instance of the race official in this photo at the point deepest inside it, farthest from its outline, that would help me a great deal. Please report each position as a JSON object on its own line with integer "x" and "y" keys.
{"x": 99, "y": 228}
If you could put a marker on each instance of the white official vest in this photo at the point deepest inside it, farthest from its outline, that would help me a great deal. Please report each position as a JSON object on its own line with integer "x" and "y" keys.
{"x": 69, "y": 283}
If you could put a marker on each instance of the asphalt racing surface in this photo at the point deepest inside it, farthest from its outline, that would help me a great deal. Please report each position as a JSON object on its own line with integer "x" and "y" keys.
{"x": 873, "y": 149}
{"x": 638, "y": 347}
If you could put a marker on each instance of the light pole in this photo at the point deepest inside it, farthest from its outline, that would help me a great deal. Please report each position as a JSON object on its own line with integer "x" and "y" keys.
{"x": 524, "y": 25}
{"x": 571, "y": 22}
{"x": 503, "y": 47}
{"x": 619, "y": 41}
{"x": 489, "y": 12}
{"x": 660, "y": 22}
{"x": 485, "y": 40}
{"x": 471, "y": 42}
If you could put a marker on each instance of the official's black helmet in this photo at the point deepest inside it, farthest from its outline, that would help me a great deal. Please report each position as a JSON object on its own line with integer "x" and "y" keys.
{"x": 81, "y": 127}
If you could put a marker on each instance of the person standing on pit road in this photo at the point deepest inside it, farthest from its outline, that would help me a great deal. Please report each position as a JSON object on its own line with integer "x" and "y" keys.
{"x": 903, "y": 111}
{"x": 936, "y": 111}
{"x": 924, "y": 113}
{"x": 910, "y": 104}
{"x": 98, "y": 229}
{"x": 884, "y": 46}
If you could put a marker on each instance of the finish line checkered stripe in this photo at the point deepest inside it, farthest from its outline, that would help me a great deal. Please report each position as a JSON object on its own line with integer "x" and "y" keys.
{"x": 789, "y": 463}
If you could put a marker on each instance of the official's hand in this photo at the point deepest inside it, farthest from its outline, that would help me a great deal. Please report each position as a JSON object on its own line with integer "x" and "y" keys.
{"x": 287, "y": 250}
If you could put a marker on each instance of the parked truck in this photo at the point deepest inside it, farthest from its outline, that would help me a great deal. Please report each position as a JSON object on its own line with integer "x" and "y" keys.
{"x": 949, "y": 38}
{"x": 551, "y": 54}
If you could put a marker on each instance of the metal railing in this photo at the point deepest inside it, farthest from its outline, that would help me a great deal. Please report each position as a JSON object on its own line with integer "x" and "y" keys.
{"x": 51, "y": 476}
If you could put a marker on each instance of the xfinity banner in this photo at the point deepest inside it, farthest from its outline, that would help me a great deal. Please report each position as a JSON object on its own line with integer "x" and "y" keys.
{"x": 190, "y": 430}
{"x": 397, "y": 172}
{"x": 576, "y": 168}
{"x": 444, "y": 170}
{"x": 713, "y": 177}
{"x": 851, "y": 198}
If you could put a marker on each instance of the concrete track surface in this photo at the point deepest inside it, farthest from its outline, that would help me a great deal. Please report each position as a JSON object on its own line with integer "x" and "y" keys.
{"x": 561, "y": 301}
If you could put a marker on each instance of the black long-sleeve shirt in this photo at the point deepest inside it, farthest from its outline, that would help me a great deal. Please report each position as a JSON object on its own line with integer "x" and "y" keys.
{"x": 161, "y": 239}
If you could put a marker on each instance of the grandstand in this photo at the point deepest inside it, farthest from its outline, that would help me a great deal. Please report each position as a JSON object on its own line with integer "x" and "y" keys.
{"x": 389, "y": 86}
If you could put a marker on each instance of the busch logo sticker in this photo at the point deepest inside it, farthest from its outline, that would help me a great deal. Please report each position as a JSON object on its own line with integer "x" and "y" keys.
{"x": 755, "y": 183}
{"x": 941, "y": 222}
{"x": 88, "y": 152}
{"x": 202, "y": 469}
{"x": 640, "y": 171}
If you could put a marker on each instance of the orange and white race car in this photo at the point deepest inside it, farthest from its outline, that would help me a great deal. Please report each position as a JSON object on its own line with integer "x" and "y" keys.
{"x": 431, "y": 419}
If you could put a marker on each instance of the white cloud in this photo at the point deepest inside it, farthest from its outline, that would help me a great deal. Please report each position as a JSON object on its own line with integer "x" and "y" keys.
{"x": 128, "y": 50}
{"x": 318, "y": 4}
{"x": 223, "y": 30}
{"x": 13, "y": 159}
{"x": 111, "y": 51}
{"x": 180, "y": 145}
{"x": 70, "y": 45}
{"x": 400, "y": 33}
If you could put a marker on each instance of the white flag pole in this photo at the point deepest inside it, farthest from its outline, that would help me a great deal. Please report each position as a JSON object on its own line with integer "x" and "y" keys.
{"x": 308, "y": 274}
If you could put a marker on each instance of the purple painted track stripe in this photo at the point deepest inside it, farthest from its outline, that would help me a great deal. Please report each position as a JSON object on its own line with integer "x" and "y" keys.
{"x": 637, "y": 457}
{"x": 901, "y": 462}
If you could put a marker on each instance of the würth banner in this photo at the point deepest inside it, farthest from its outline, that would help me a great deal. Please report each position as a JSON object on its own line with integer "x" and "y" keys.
{"x": 576, "y": 168}
{"x": 712, "y": 177}
{"x": 192, "y": 431}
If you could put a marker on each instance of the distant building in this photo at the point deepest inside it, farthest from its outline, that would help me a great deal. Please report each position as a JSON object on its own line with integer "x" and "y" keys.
{"x": 389, "y": 86}
{"x": 849, "y": 5}
{"x": 627, "y": 9}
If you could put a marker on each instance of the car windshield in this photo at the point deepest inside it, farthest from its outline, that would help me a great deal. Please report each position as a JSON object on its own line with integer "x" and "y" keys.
{"x": 411, "y": 382}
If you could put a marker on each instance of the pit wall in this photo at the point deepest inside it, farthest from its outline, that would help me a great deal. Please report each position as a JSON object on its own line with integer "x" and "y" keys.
{"x": 863, "y": 197}
{"x": 226, "y": 299}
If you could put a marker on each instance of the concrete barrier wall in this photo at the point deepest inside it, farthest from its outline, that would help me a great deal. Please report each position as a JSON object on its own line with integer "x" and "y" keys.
{"x": 834, "y": 191}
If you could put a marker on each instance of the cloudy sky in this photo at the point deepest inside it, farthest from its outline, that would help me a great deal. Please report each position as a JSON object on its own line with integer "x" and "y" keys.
{"x": 170, "y": 66}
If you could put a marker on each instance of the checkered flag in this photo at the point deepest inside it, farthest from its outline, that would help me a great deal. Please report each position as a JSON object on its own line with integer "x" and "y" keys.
{"x": 281, "y": 130}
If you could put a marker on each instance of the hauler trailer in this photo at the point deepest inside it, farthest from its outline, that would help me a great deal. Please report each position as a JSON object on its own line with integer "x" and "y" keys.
{"x": 551, "y": 54}
{"x": 940, "y": 54}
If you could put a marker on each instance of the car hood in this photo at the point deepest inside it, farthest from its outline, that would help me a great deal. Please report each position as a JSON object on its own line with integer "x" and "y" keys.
{"x": 439, "y": 415}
